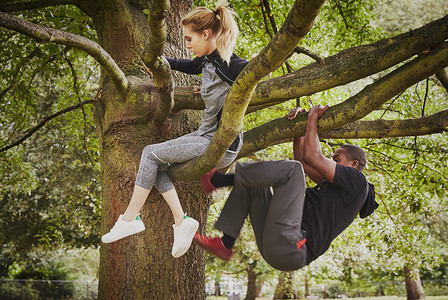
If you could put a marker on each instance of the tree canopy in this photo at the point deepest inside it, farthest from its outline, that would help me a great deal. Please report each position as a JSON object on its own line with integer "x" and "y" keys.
{"x": 82, "y": 83}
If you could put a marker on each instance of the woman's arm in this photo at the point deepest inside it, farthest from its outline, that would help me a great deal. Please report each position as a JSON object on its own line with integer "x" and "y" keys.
{"x": 186, "y": 65}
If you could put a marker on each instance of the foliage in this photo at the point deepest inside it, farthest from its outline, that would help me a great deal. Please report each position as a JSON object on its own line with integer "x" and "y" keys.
{"x": 53, "y": 199}
{"x": 409, "y": 173}
{"x": 50, "y": 187}
{"x": 51, "y": 274}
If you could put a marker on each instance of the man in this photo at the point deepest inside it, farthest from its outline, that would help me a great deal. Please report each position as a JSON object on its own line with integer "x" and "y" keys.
{"x": 293, "y": 225}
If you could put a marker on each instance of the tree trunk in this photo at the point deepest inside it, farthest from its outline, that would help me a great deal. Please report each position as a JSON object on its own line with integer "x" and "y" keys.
{"x": 217, "y": 286}
{"x": 141, "y": 266}
{"x": 285, "y": 287}
{"x": 307, "y": 286}
{"x": 414, "y": 288}
{"x": 251, "y": 281}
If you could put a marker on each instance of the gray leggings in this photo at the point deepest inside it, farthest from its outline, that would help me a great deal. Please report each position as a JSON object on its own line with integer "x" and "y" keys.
{"x": 157, "y": 158}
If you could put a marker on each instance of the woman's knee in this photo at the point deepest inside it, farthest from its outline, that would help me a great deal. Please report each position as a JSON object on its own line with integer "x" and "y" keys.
{"x": 147, "y": 151}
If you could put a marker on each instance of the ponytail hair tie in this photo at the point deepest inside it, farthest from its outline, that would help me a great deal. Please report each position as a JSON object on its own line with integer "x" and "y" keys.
{"x": 215, "y": 12}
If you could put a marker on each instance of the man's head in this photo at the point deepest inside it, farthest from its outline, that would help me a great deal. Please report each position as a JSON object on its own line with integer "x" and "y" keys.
{"x": 350, "y": 156}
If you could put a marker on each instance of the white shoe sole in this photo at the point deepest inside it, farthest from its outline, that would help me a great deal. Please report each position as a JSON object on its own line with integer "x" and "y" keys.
{"x": 109, "y": 238}
{"x": 113, "y": 236}
{"x": 186, "y": 243}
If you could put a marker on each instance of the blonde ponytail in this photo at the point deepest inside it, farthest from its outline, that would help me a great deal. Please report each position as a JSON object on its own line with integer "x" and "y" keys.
{"x": 220, "y": 21}
{"x": 226, "y": 38}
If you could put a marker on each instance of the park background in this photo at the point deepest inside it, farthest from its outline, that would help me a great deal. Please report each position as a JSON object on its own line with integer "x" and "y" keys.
{"x": 51, "y": 193}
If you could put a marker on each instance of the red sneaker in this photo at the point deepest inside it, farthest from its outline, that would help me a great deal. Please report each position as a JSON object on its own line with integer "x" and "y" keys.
{"x": 207, "y": 186}
{"x": 214, "y": 246}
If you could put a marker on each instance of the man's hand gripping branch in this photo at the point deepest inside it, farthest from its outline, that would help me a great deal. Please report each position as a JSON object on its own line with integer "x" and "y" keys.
{"x": 307, "y": 149}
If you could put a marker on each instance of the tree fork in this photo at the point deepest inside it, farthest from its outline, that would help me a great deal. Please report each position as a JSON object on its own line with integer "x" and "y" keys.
{"x": 159, "y": 67}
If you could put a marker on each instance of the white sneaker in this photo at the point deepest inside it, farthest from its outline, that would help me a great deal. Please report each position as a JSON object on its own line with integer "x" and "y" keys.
{"x": 123, "y": 229}
{"x": 183, "y": 236}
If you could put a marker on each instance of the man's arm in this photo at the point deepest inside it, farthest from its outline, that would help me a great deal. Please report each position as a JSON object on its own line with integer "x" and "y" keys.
{"x": 312, "y": 152}
{"x": 297, "y": 147}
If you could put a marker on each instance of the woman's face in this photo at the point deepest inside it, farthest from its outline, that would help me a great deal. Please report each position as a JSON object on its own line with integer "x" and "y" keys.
{"x": 199, "y": 43}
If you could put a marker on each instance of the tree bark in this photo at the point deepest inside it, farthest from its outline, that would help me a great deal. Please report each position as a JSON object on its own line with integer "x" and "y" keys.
{"x": 352, "y": 109}
{"x": 414, "y": 288}
{"x": 285, "y": 287}
{"x": 307, "y": 286}
{"x": 251, "y": 281}
{"x": 217, "y": 286}
{"x": 141, "y": 266}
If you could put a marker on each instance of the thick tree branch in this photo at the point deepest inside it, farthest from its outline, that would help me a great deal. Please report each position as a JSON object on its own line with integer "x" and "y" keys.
{"x": 43, "y": 122}
{"x": 11, "y": 7}
{"x": 347, "y": 66}
{"x": 159, "y": 67}
{"x": 296, "y": 26}
{"x": 436, "y": 123}
{"x": 350, "y": 65}
{"x": 443, "y": 78}
{"x": 45, "y": 35}
{"x": 187, "y": 97}
{"x": 354, "y": 108}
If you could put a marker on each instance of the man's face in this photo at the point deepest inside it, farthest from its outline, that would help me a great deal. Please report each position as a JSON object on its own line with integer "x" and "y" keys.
{"x": 340, "y": 157}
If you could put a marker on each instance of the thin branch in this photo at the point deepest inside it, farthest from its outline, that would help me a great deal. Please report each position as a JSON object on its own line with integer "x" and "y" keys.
{"x": 36, "y": 71}
{"x": 45, "y": 35}
{"x": 426, "y": 97}
{"x": 43, "y": 122}
{"x": 76, "y": 88}
{"x": 18, "y": 68}
{"x": 265, "y": 20}
{"x": 338, "y": 5}
{"x": 416, "y": 152}
{"x": 267, "y": 13}
{"x": 390, "y": 104}
{"x": 310, "y": 53}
